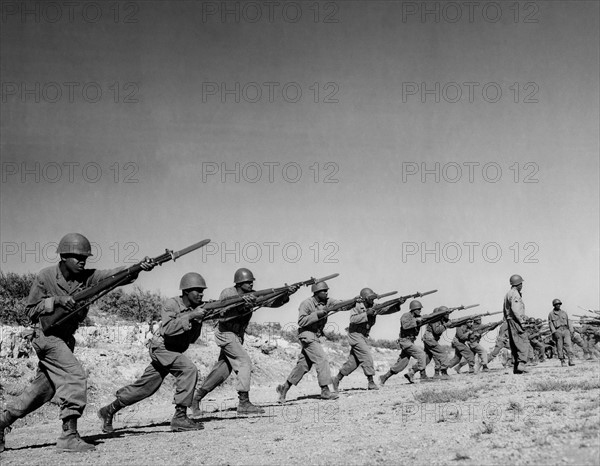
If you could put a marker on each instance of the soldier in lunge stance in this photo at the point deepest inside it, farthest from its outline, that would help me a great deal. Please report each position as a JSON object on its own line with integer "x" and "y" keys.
{"x": 59, "y": 372}
{"x": 180, "y": 326}
{"x": 433, "y": 349}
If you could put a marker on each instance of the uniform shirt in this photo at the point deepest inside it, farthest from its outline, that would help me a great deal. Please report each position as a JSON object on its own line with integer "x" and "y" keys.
{"x": 463, "y": 333}
{"x": 514, "y": 307}
{"x": 176, "y": 330}
{"x": 308, "y": 320}
{"x": 239, "y": 324}
{"x": 360, "y": 322}
{"x": 558, "y": 319}
{"x": 436, "y": 329}
{"x": 408, "y": 326}
{"x": 51, "y": 283}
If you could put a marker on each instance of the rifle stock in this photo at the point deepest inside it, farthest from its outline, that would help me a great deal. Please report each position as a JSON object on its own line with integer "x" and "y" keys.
{"x": 92, "y": 293}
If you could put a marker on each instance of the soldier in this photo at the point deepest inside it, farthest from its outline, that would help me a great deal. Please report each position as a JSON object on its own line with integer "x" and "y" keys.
{"x": 362, "y": 320}
{"x": 514, "y": 313}
{"x": 561, "y": 328}
{"x": 229, "y": 336}
{"x": 59, "y": 372}
{"x": 461, "y": 348}
{"x": 433, "y": 349}
{"x": 501, "y": 341}
{"x": 474, "y": 344}
{"x": 409, "y": 330}
{"x": 181, "y": 324}
{"x": 312, "y": 317}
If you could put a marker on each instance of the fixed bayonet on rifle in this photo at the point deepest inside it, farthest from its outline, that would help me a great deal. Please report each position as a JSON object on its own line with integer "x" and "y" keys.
{"x": 350, "y": 303}
{"x": 219, "y": 308}
{"x": 87, "y": 296}
{"x": 381, "y": 308}
{"x": 463, "y": 320}
{"x": 437, "y": 316}
{"x": 589, "y": 310}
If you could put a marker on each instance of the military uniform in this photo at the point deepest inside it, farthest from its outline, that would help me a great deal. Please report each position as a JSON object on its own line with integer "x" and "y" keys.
{"x": 358, "y": 332}
{"x": 310, "y": 328}
{"x": 561, "y": 328}
{"x": 175, "y": 334}
{"x": 409, "y": 330}
{"x": 433, "y": 349}
{"x": 501, "y": 341}
{"x": 461, "y": 348}
{"x": 229, "y": 336}
{"x": 514, "y": 313}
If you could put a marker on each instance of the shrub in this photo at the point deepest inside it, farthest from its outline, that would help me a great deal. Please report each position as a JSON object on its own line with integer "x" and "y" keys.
{"x": 14, "y": 289}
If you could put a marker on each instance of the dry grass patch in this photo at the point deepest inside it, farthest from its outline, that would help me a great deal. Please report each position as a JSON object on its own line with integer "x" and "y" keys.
{"x": 447, "y": 395}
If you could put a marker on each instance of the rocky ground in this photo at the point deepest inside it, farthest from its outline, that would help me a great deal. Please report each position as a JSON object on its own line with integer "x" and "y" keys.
{"x": 548, "y": 416}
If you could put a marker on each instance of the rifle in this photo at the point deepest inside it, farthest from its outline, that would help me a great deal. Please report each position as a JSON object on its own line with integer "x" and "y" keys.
{"x": 350, "y": 303}
{"x": 437, "y": 316}
{"x": 83, "y": 298}
{"x": 589, "y": 310}
{"x": 381, "y": 308}
{"x": 485, "y": 328}
{"x": 465, "y": 319}
{"x": 263, "y": 296}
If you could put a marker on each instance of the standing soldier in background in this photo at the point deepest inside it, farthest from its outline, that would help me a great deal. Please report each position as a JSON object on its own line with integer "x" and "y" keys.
{"x": 312, "y": 317}
{"x": 409, "y": 331}
{"x": 561, "y": 328}
{"x": 59, "y": 372}
{"x": 514, "y": 313}
{"x": 433, "y": 349}
{"x": 180, "y": 326}
{"x": 229, "y": 336}
{"x": 362, "y": 320}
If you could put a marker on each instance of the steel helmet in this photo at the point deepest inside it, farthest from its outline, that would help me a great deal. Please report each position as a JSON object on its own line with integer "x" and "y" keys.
{"x": 74, "y": 243}
{"x": 242, "y": 275}
{"x": 556, "y": 301}
{"x": 367, "y": 293}
{"x": 442, "y": 309}
{"x": 414, "y": 305}
{"x": 319, "y": 287}
{"x": 516, "y": 280}
{"x": 192, "y": 280}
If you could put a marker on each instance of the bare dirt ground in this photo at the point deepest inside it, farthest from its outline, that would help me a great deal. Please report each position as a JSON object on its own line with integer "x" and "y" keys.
{"x": 548, "y": 416}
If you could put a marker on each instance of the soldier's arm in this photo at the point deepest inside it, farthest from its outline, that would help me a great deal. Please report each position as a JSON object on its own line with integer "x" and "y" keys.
{"x": 307, "y": 315}
{"x": 174, "y": 322}
{"x": 551, "y": 324}
{"x": 358, "y": 315}
{"x": 407, "y": 321}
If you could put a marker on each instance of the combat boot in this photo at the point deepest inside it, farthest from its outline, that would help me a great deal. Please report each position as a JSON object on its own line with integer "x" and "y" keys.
{"x": 571, "y": 363}
{"x": 372, "y": 385}
{"x": 520, "y": 369}
{"x": 336, "y": 382}
{"x": 246, "y": 407}
{"x": 471, "y": 369}
{"x": 410, "y": 376}
{"x": 383, "y": 378}
{"x": 70, "y": 441}
{"x": 198, "y": 396}
{"x": 444, "y": 374}
{"x": 181, "y": 423}
{"x": 106, "y": 415}
{"x": 282, "y": 391}
{"x": 485, "y": 368}
{"x": 425, "y": 377}
{"x": 457, "y": 369}
{"x": 6, "y": 420}
{"x": 436, "y": 374}
{"x": 327, "y": 395}
{"x": 563, "y": 363}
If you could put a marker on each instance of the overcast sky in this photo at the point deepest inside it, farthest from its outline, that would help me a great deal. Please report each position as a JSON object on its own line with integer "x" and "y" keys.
{"x": 405, "y": 145}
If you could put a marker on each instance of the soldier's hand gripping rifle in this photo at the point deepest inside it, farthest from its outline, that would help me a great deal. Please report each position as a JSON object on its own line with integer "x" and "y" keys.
{"x": 463, "y": 320}
{"x": 381, "y": 309}
{"x": 350, "y": 303}
{"x": 266, "y": 298}
{"x": 83, "y": 298}
{"x": 437, "y": 316}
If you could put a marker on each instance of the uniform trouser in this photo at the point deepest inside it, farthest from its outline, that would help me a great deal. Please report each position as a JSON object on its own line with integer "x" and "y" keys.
{"x": 500, "y": 343}
{"x": 478, "y": 349}
{"x": 433, "y": 350}
{"x": 59, "y": 373}
{"x": 164, "y": 362}
{"x": 519, "y": 343}
{"x": 233, "y": 357}
{"x": 562, "y": 337}
{"x": 461, "y": 350}
{"x": 360, "y": 354}
{"x": 538, "y": 348}
{"x": 409, "y": 349}
{"x": 311, "y": 353}
{"x": 530, "y": 352}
